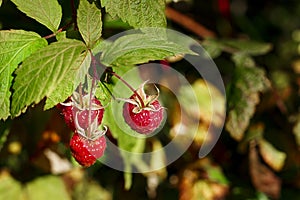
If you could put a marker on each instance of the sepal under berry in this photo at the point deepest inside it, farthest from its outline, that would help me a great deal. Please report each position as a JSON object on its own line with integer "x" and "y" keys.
{"x": 142, "y": 112}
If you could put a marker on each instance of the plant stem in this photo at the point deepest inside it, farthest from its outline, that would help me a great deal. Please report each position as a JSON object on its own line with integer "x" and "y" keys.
{"x": 59, "y": 30}
{"x": 130, "y": 87}
{"x": 80, "y": 94}
{"x": 94, "y": 79}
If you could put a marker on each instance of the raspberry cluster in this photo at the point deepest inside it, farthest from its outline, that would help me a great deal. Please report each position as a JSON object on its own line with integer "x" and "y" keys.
{"x": 83, "y": 114}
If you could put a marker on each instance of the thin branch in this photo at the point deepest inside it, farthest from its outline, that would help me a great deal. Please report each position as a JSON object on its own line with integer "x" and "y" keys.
{"x": 189, "y": 23}
{"x": 59, "y": 30}
{"x": 74, "y": 18}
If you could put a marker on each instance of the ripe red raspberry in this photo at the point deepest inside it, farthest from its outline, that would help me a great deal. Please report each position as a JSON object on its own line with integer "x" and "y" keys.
{"x": 142, "y": 112}
{"x": 76, "y": 111}
{"x": 67, "y": 112}
{"x": 86, "y": 151}
{"x": 97, "y": 111}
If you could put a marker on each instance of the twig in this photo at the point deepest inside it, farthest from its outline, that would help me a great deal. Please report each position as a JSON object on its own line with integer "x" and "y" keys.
{"x": 59, "y": 30}
{"x": 189, "y": 23}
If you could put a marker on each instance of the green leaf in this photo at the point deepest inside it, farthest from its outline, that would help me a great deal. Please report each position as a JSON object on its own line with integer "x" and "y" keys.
{"x": 112, "y": 23}
{"x": 72, "y": 79}
{"x": 247, "y": 46}
{"x": 251, "y": 79}
{"x": 9, "y": 187}
{"x": 100, "y": 46}
{"x": 141, "y": 48}
{"x": 213, "y": 47}
{"x": 48, "y": 12}
{"x": 138, "y": 13}
{"x": 47, "y": 187}
{"x": 273, "y": 157}
{"x": 0, "y": 2}
{"x": 209, "y": 102}
{"x": 15, "y": 46}
{"x": 216, "y": 174}
{"x": 243, "y": 97}
{"x": 43, "y": 72}
{"x": 240, "y": 115}
{"x": 89, "y": 22}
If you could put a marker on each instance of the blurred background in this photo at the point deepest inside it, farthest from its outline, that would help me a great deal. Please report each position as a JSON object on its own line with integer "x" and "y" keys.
{"x": 255, "y": 45}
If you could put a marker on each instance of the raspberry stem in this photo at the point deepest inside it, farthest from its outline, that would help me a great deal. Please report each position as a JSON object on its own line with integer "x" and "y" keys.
{"x": 80, "y": 94}
{"x": 94, "y": 65}
{"x": 130, "y": 87}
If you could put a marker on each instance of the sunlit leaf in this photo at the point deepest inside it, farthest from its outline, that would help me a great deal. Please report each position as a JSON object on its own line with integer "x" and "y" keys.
{"x": 210, "y": 102}
{"x": 138, "y": 13}
{"x": 89, "y": 22}
{"x": 48, "y": 12}
{"x": 15, "y": 46}
{"x": 273, "y": 157}
{"x": 72, "y": 79}
{"x": 44, "y": 71}
{"x": 141, "y": 48}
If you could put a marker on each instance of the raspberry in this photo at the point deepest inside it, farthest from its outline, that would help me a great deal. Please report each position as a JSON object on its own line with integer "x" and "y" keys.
{"x": 143, "y": 113}
{"x": 83, "y": 114}
{"x": 86, "y": 151}
{"x": 67, "y": 112}
{"x": 76, "y": 111}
